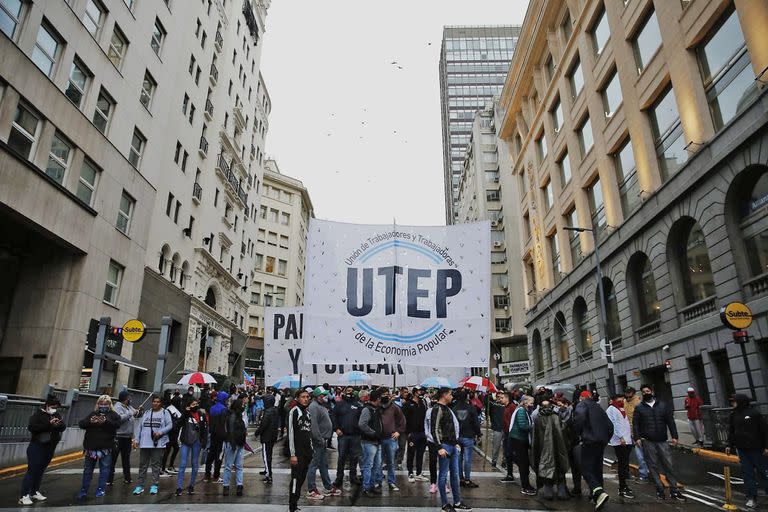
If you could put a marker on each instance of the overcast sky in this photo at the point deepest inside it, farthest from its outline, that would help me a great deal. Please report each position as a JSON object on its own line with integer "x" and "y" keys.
{"x": 363, "y": 135}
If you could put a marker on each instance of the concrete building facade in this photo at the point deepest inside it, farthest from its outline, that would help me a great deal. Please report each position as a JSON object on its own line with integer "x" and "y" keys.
{"x": 644, "y": 121}
{"x": 174, "y": 87}
{"x": 473, "y": 64}
{"x": 281, "y": 248}
{"x": 486, "y": 184}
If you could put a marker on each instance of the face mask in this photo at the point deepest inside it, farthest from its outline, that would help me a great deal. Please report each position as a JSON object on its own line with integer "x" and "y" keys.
{"x": 385, "y": 400}
{"x": 647, "y": 397}
{"x": 349, "y": 396}
{"x": 691, "y": 394}
{"x": 104, "y": 408}
{"x": 52, "y": 410}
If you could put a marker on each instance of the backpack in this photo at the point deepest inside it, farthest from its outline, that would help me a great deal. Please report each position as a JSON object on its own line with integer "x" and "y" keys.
{"x": 258, "y": 420}
{"x": 190, "y": 432}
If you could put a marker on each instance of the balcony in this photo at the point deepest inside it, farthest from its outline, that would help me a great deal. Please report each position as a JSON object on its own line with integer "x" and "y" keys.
{"x": 649, "y": 329}
{"x": 229, "y": 177}
{"x": 203, "y": 148}
{"x": 197, "y": 193}
{"x": 218, "y": 41}
{"x": 758, "y": 285}
{"x": 238, "y": 115}
{"x": 208, "y": 110}
{"x": 253, "y": 152}
{"x": 242, "y": 248}
{"x": 214, "y": 76}
{"x": 699, "y": 309}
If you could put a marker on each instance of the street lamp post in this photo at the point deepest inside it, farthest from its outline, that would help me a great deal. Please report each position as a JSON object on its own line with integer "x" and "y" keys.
{"x": 610, "y": 384}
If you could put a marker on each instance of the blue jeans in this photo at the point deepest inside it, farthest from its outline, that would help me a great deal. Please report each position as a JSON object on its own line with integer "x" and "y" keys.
{"x": 753, "y": 461}
{"x": 319, "y": 462}
{"x": 468, "y": 445}
{"x": 370, "y": 466}
{"x": 449, "y": 463}
{"x": 105, "y": 467}
{"x": 389, "y": 447}
{"x": 186, "y": 451}
{"x": 233, "y": 455}
{"x": 642, "y": 467}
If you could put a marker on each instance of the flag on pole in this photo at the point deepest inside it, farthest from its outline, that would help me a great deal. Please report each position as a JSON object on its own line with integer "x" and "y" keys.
{"x": 248, "y": 379}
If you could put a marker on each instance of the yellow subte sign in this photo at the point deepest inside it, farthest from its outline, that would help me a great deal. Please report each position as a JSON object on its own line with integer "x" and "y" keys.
{"x": 134, "y": 331}
{"x": 736, "y": 315}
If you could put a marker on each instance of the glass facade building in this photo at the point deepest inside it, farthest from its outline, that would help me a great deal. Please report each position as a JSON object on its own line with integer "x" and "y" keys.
{"x": 474, "y": 61}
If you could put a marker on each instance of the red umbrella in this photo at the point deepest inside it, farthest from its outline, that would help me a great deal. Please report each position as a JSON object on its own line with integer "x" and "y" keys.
{"x": 478, "y": 383}
{"x": 199, "y": 378}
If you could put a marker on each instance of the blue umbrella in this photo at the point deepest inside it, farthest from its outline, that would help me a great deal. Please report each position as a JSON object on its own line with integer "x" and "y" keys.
{"x": 355, "y": 378}
{"x": 287, "y": 381}
{"x": 438, "y": 382}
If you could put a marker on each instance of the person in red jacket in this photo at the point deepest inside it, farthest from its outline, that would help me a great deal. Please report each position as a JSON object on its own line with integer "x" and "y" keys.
{"x": 693, "y": 403}
{"x": 509, "y": 410}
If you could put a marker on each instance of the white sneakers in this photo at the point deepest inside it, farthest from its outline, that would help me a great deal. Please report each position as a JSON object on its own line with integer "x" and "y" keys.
{"x": 25, "y": 500}
{"x": 38, "y": 497}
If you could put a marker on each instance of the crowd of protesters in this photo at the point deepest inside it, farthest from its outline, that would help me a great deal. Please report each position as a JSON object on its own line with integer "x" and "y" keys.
{"x": 545, "y": 435}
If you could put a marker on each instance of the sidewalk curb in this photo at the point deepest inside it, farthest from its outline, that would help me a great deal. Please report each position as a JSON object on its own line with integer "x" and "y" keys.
{"x": 56, "y": 461}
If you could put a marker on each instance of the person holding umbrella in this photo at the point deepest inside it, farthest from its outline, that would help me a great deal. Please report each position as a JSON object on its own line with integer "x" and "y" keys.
{"x": 150, "y": 437}
{"x": 46, "y": 427}
{"x": 100, "y": 426}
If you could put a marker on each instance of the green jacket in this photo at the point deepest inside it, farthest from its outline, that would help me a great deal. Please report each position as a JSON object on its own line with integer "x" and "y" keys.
{"x": 520, "y": 427}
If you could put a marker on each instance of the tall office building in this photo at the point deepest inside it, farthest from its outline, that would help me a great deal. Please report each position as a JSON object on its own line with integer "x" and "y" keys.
{"x": 131, "y": 137}
{"x": 642, "y": 125}
{"x": 473, "y": 66}
{"x": 281, "y": 248}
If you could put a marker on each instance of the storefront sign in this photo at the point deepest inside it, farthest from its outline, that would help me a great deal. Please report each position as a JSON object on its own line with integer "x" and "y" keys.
{"x": 134, "y": 331}
{"x": 514, "y": 368}
{"x": 736, "y": 316}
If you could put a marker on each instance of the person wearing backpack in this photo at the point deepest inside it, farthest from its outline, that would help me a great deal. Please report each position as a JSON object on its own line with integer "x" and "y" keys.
{"x": 193, "y": 434}
{"x": 593, "y": 427}
{"x": 267, "y": 425}
{"x": 235, "y": 432}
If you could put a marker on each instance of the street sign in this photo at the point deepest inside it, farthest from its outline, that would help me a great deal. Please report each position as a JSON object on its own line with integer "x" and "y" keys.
{"x": 134, "y": 331}
{"x": 736, "y": 316}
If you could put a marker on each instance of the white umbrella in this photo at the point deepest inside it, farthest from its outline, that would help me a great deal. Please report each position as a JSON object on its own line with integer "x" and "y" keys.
{"x": 196, "y": 378}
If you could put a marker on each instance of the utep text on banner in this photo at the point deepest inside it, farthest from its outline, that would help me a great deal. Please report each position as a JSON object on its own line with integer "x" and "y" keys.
{"x": 283, "y": 345}
{"x": 397, "y": 294}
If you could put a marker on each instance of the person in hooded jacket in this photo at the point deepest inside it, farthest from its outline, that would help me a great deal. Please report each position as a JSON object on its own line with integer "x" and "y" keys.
{"x": 748, "y": 434}
{"x": 549, "y": 452}
{"x": 469, "y": 430}
{"x": 123, "y": 437}
{"x": 235, "y": 432}
{"x": 192, "y": 436}
{"x": 345, "y": 417}
{"x": 415, "y": 410}
{"x": 594, "y": 430}
{"x": 217, "y": 418}
{"x": 100, "y": 426}
{"x": 300, "y": 446}
{"x": 267, "y": 432}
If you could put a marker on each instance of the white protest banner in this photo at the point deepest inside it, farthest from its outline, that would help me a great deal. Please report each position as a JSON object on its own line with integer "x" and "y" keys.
{"x": 398, "y": 294}
{"x": 283, "y": 343}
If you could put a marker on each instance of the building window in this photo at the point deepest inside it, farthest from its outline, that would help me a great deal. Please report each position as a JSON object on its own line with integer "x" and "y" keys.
{"x": 138, "y": 141}
{"x": 526, "y": 226}
{"x": 78, "y": 80}
{"x": 192, "y": 61}
{"x": 554, "y": 251}
{"x": 726, "y": 70}
{"x": 538, "y": 352}
{"x": 600, "y": 33}
{"x": 10, "y": 16}
{"x": 576, "y": 79}
{"x": 493, "y": 195}
{"x": 586, "y": 139}
{"x": 549, "y": 198}
{"x": 611, "y": 311}
{"x": 574, "y": 237}
{"x": 279, "y": 296}
{"x": 103, "y": 113}
{"x": 668, "y": 133}
{"x": 581, "y": 324}
{"x": 564, "y": 166}
{"x": 158, "y": 36}
{"x": 86, "y": 186}
{"x": 283, "y": 241}
{"x": 263, "y": 212}
{"x": 557, "y": 115}
{"x": 626, "y": 177}
{"x": 646, "y": 300}
{"x": 112, "y": 287}
{"x": 58, "y": 158}
{"x": 647, "y": 42}
{"x": 500, "y": 301}
{"x": 596, "y": 207}
{"x": 124, "y": 213}
{"x": 46, "y": 49}
{"x": 92, "y": 17}
{"x": 611, "y": 95}
{"x": 270, "y": 266}
{"x": 285, "y": 218}
{"x": 561, "y": 341}
{"x": 541, "y": 147}
{"x": 273, "y": 215}
{"x": 117, "y": 47}
{"x": 549, "y": 65}
{"x": 147, "y": 90}
{"x": 691, "y": 260}
{"x": 23, "y": 134}
{"x": 192, "y": 111}
{"x": 567, "y": 25}
{"x": 259, "y": 261}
